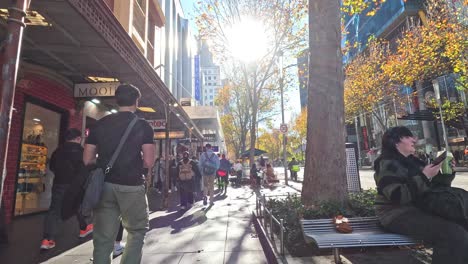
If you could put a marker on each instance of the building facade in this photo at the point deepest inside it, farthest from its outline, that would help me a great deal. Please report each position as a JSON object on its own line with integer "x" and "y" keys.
{"x": 96, "y": 45}
{"x": 210, "y": 76}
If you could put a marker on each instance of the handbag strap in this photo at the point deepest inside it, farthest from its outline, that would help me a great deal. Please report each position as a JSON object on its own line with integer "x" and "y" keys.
{"x": 121, "y": 143}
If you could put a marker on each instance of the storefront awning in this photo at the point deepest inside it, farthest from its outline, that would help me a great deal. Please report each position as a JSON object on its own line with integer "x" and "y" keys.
{"x": 80, "y": 39}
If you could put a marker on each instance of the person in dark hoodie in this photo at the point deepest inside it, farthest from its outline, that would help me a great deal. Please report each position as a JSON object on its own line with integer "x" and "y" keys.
{"x": 66, "y": 162}
{"x": 411, "y": 196}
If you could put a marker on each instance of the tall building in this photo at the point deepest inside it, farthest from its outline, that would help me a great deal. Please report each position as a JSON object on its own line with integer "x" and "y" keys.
{"x": 210, "y": 76}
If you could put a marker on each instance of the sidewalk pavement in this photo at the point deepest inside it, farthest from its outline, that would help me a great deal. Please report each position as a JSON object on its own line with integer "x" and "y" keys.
{"x": 222, "y": 233}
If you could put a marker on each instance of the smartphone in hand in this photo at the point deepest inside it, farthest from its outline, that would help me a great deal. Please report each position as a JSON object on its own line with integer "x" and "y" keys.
{"x": 440, "y": 158}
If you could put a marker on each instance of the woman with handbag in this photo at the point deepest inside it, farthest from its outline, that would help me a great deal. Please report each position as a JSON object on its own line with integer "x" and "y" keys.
{"x": 406, "y": 186}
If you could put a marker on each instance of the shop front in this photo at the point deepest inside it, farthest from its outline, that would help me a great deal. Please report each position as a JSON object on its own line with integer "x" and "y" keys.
{"x": 44, "y": 108}
{"x": 77, "y": 42}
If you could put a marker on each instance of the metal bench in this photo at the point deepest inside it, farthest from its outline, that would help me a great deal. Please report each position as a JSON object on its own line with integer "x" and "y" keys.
{"x": 367, "y": 232}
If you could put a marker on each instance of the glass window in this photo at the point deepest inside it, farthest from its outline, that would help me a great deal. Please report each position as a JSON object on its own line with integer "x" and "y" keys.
{"x": 40, "y": 138}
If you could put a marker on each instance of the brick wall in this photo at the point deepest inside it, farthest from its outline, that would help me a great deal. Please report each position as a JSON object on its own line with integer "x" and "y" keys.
{"x": 47, "y": 91}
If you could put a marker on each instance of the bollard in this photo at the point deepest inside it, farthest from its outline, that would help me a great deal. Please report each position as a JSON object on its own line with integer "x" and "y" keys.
{"x": 281, "y": 237}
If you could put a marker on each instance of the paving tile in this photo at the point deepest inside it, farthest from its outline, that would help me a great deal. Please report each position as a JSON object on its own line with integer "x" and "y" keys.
{"x": 161, "y": 258}
{"x": 206, "y": 246}
{"x": 70, "y": 259}
{"x": 243, "y": 244}
{"x": 257, "y": 257}
{"x": 236, "y": 233}
{"x": 203, "y": 258}
{"x": 213, "y": 235}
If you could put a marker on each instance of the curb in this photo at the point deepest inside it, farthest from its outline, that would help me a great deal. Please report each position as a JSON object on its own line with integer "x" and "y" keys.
{"x": 266, "y": 245}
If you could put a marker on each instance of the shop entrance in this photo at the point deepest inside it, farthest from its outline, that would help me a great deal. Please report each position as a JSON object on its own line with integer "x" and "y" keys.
{"x": 42, "y": 127}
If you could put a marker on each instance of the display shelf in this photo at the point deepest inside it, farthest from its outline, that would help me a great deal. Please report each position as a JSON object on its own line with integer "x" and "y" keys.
{"x": 31, "y": 176}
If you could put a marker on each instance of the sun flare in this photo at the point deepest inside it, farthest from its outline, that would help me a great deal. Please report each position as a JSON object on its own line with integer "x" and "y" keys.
{"x": 247, "y": 40}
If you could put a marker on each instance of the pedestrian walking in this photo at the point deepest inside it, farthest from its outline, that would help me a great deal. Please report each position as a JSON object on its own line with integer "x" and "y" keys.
{"x": 197, "y": 181}
{"x": 238, "y": 169}
{"x": 173, "y": 174}
{"x": 159, "y": 173}
{"x": 223, "y": 172}
{"x": 187, "y": 170}
{"x": 66, "y": 161}
{"x": 293, "y": 167}
{"x": 209, "y": 164}
{"x": 124, "y": 194}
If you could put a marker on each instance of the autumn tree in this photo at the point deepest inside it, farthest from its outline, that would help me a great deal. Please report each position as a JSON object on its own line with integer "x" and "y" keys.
{"x": 234, "y": 105}
{"x": 281, "y": 20}
{"x": 433, "y": 49}
{"x": 270, "y": 140}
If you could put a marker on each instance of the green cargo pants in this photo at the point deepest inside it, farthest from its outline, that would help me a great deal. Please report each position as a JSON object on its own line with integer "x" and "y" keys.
{"x": 124, "y": 202}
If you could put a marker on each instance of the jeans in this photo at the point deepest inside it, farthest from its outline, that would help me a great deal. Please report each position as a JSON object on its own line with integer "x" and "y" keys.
{"x": 293, "y": 175}
{"x": 450, "y": 239}
{"x": 186, "y": 192}
{"x": 208, "y": 186}
{"x": 126, "y": 203}
{"x": 54, "y": 216}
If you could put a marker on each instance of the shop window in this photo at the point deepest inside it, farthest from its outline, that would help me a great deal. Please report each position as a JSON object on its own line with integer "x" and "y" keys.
{"x": 41, "y": 132}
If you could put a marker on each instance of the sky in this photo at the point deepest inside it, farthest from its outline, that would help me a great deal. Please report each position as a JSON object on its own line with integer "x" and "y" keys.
{"x": 292, "y": 99}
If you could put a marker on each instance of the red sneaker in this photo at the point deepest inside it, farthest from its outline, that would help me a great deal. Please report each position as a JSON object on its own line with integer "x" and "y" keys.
{"x": 47, "y": 244}
{"x": 87, "y": 231}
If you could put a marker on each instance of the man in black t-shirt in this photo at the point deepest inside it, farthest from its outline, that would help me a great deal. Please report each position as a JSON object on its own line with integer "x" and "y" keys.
{"x": 124, "y": 193}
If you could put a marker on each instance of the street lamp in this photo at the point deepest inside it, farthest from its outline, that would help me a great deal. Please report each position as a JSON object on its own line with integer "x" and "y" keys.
{"x": 280, "y": 56}
{"x": 435, "y": 83}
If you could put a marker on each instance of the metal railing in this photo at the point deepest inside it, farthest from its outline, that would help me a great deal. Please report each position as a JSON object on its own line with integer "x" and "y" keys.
{"x": 268, "y": 220}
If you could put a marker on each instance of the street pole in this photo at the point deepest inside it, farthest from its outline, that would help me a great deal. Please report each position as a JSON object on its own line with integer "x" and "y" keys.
{"x": 13, "y": 40}
{"x": 435, "y": 83}
{"x": 165, "y": 203}
{"x": 282, "y": 119}
{"x": 356, "y": 127}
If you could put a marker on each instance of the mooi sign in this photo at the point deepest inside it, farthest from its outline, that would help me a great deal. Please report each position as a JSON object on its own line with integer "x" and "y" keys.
{"x": 157, "y": 123}
{"x": 95, "y": 89}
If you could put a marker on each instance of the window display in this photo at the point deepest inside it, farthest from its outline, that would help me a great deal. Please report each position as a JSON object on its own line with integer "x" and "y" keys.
{"x": 40, "y": 138}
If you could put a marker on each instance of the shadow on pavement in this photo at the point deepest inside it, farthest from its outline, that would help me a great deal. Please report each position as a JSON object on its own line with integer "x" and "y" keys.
{"x": 197, "y": 218}
{"x": 25, "y": 235}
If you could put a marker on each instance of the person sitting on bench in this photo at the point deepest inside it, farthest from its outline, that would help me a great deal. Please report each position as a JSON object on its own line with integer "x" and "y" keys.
{"x": 270, "y": 175}
{"x": 403, "y": 182}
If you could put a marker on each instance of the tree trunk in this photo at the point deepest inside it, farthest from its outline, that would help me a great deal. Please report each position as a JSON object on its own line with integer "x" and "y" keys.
{"x": 325, "y": 168}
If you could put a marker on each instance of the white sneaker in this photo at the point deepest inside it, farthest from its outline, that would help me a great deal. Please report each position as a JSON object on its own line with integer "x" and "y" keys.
{"x": 175, "y": 189}
{"x": 118, "y": 249}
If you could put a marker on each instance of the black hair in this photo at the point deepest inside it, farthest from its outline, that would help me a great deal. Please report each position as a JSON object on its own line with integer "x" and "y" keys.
{"x": 392, "y": 137}
{"x": 127, "y": 95}
{"x": 208, "y": 145}
{"x": 72, "y": 133}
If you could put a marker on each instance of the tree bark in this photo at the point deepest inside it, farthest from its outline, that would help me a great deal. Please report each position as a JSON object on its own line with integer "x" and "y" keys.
{"x": 325, "y": 168}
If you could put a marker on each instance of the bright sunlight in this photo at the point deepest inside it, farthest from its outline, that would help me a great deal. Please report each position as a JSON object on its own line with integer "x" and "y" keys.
{"x": 247, "y": 40}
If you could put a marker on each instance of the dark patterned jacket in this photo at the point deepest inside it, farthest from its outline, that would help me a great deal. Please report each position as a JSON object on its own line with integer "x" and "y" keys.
{"x": 401, "y": 185}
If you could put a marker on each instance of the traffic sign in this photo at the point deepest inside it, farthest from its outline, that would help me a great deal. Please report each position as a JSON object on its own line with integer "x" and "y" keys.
{"x": 284, "y": 128}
